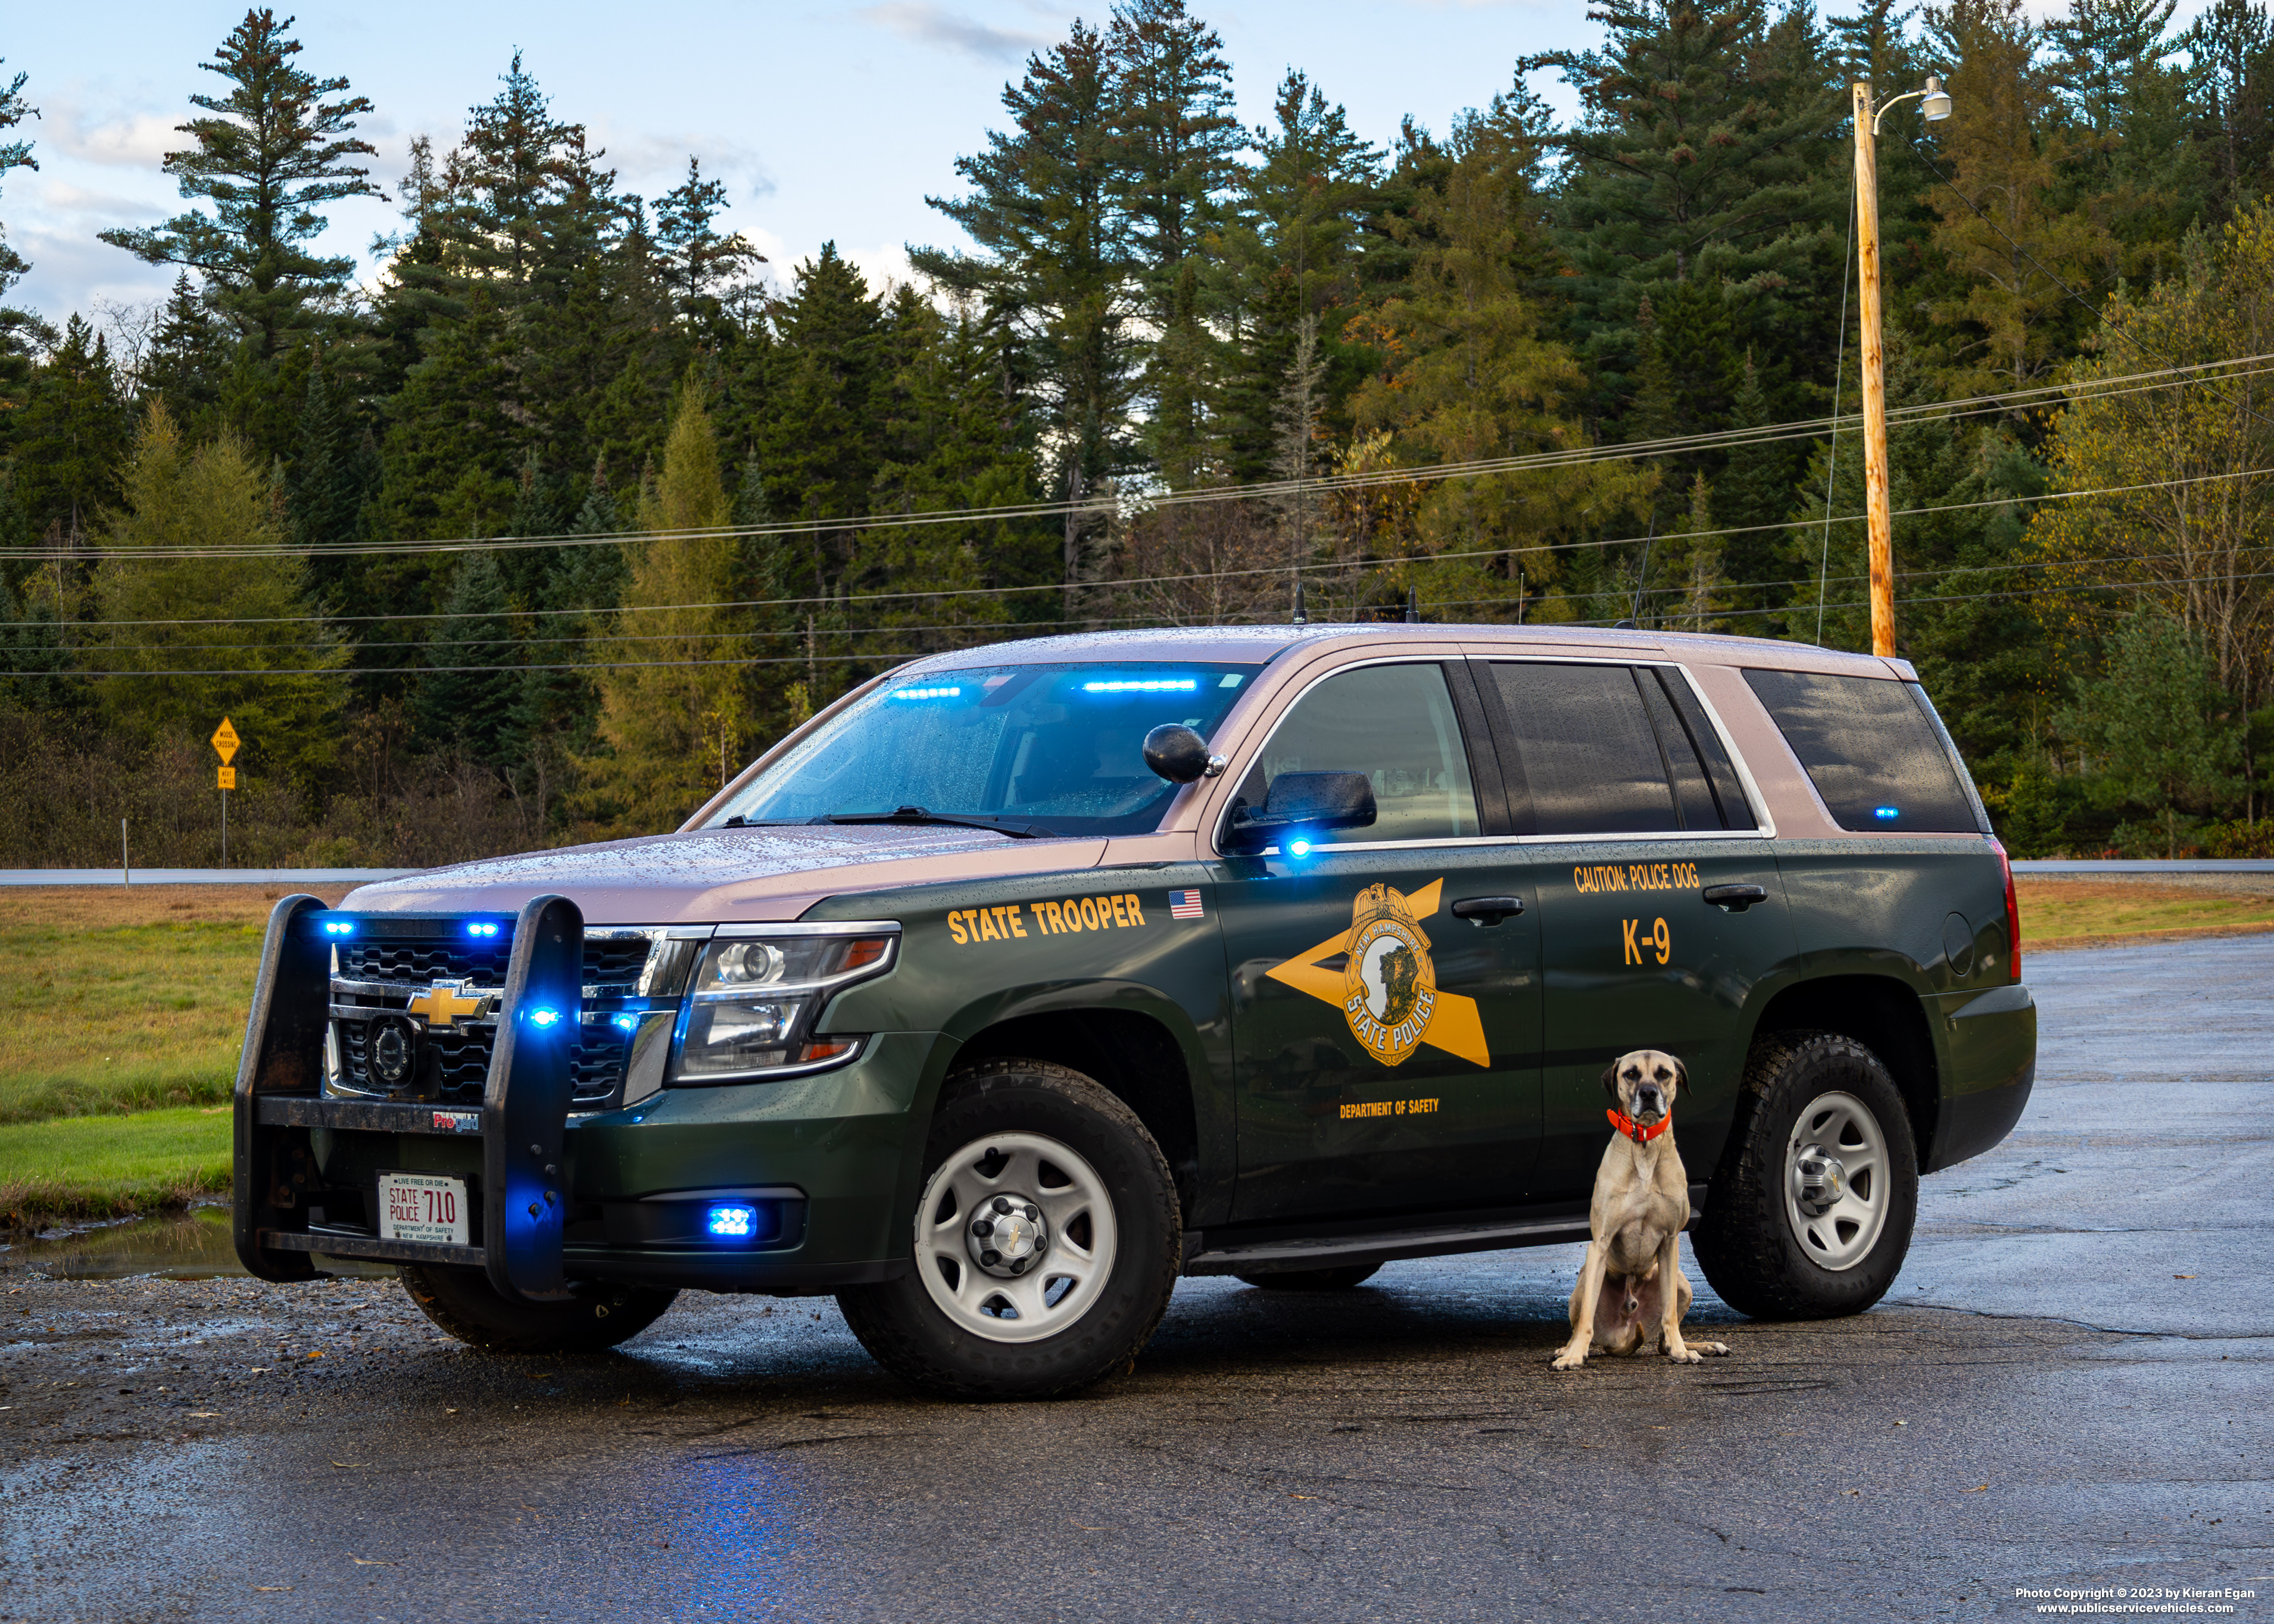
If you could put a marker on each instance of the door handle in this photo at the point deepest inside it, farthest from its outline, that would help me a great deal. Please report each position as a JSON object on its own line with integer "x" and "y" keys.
{"x": 1487, "y": 910}
{"x": 1735, "y": 898}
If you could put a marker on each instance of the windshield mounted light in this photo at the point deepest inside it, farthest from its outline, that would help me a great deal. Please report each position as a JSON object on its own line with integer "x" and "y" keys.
{"x": 926, "y": 693}
{"x": 1144, "y": 685}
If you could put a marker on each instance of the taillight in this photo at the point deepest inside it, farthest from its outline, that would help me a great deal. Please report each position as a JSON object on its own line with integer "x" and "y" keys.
{"x": 2013, "y": 914}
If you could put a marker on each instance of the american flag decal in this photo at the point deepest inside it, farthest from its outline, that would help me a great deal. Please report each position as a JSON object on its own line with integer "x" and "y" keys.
{"x": 1184, "y": 905}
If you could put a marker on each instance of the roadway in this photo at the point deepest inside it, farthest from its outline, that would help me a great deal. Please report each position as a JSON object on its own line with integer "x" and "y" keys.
{"x": 2068, "y": 1388}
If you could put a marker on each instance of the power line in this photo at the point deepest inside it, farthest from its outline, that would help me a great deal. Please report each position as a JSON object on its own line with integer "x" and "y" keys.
{"x": 1532, "y": 461}
{"x": 1323, "y": 569}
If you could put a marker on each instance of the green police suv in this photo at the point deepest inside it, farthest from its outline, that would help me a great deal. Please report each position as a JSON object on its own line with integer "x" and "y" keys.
{"x": 1025, "y": 978}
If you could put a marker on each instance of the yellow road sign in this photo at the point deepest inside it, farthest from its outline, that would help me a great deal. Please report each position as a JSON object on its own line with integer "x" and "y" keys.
{"x": 229, "y": 778}
{"x": 225, "y": 740}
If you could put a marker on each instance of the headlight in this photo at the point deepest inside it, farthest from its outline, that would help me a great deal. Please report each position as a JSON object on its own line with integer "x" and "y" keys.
{"x": 751, "y": 1010}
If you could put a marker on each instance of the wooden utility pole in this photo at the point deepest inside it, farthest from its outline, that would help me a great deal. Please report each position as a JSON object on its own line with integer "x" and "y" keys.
{"x": 1879, "y": 522}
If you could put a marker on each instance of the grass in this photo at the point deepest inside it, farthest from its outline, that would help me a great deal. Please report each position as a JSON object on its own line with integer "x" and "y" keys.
{"x": 2078, "y": 911}
{"x": 123, "y": 1008}
{"x": 104, "y": 1166}
{"x": 123, "y": 998}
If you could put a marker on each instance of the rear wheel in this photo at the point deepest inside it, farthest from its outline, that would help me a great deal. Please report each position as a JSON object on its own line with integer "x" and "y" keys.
{"x": 1047, "y": 1241}
{"x": 1811, "y": 1212}
{"x": 1314, "y": 1280}
{"x": 464, "y": 1303}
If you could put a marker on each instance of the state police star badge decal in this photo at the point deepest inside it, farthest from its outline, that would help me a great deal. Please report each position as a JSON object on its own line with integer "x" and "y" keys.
{"x": 1387, "y": 987}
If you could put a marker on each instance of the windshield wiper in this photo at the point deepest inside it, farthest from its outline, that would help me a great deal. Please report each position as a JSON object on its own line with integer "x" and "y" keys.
{"x": 917, "y": 815}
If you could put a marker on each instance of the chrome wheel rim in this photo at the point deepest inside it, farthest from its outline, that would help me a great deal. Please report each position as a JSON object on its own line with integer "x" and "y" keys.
{"x": 1836, "y": 1181}
{"x": 1067, "y": 1245}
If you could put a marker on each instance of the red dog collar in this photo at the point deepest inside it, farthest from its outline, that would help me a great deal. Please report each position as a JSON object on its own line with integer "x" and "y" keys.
{"x": 1640, "y": 1135}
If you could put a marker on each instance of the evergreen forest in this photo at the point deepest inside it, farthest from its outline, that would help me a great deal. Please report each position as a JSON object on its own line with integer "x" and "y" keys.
{"x": 540, "y": 531}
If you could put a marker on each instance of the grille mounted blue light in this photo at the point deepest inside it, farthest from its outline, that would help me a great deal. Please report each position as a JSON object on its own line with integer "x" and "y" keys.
{"x": 1299, "y": 849}
{"x": 543, "y": 1017}
{"x": 624, "y": 1023}
{"x": 339, "y": 927}
{"x": 1884, "y": 813}
{"x": 1144, "y": 685}
{"x": 482, "y": 927}
{"x": 730, "y": 1221}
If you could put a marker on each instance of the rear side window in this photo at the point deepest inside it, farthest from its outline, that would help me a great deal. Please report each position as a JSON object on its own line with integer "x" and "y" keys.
{"x": 1871, "y": 750}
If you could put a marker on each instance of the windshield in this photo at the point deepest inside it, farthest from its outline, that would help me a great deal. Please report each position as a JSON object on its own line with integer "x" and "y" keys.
{"x": 1060, "y": 746}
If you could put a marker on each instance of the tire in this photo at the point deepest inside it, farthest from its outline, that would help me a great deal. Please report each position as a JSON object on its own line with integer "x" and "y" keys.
{"x": 1314, "y": 1280}
{"x": 1784, "y": 1236}
{"x": 1066, "y": 1157}
{"x": 464, "y": 1303}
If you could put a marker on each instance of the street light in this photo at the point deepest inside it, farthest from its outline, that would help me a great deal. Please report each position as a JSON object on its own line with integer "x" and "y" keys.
{"x": 1934, "y": 102}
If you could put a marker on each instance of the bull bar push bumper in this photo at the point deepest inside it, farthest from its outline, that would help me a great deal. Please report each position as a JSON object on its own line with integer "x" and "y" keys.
{"x": 524, "y": 1115}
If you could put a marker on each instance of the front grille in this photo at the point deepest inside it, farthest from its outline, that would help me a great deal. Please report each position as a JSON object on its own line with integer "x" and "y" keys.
{"x": 389, "y": 973}
{"x": 462, "y": 1062}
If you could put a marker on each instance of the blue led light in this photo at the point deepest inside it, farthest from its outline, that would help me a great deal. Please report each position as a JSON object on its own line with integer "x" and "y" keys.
{"x": 926, "y": 693}
{"x": 625, "y": 1023}
{"x": 734, "y": 1223}
{"x": 1299, "y": 849}
{"x": 482, "y": 927}
{"x": 338, "y": 928}
{"x": 1142, "y": 685}
{"x": 1885, "y": 812}
{"x": 543, "y": 1017}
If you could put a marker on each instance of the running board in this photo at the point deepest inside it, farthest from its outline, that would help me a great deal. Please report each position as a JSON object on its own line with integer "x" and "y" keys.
{"x": 1234, "y": 1255}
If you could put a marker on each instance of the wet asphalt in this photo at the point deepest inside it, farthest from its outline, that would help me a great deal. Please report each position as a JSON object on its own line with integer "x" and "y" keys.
{"x": 2068, "y": 1388}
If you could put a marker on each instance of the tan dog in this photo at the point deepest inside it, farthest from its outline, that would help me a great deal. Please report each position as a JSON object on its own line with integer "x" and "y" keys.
{"x": 1631, "y": 1293}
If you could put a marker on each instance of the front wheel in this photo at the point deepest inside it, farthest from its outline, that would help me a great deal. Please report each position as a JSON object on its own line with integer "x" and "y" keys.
{"x": 1811, "y": 1209}
{"x": 464, "y": 1303}
{"x": 1047, "y": 1241}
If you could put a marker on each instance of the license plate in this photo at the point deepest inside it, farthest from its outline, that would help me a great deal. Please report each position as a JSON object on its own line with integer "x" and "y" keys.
{"x": 422, "y": 1206}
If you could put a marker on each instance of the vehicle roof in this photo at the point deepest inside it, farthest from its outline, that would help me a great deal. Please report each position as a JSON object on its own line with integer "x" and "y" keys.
{"x": 1260, "y": 645}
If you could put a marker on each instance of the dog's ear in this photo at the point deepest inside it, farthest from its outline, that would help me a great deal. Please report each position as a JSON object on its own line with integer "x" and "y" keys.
{"x": 1611, "y": 1079}
{"x": 1681, "y": 1076}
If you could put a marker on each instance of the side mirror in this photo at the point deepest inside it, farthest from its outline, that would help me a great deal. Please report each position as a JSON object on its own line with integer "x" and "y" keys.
{"x": 1305, "y": 801}
{"x": 1176, "y": 753}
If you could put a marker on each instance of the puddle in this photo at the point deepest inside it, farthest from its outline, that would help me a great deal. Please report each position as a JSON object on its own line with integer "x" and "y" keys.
{"x": 188, "y": 1245}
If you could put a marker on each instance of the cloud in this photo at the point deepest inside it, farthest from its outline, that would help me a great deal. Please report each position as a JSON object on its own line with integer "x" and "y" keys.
{"x": 128, "y": 141}
{"x": 929, "y": 24}
{"x": 653, "y": 164}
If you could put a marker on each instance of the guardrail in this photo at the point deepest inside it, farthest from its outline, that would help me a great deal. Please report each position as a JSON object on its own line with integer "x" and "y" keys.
{"x": 2053, "y": 867}
{"x": 199, "y": 877}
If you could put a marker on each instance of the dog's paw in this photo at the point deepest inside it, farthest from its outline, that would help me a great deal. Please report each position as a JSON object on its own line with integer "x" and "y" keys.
{"x": 1685, "y": 1355}
{"x": 1719, "y": 1351}
{"x": 1569, "y": 1360}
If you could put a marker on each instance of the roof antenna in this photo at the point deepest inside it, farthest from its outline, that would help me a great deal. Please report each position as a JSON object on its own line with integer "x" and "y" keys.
{"x": 1633, "y": 622}
{"x": 1301, "y": 619}
{"x": 1413, "y": 606}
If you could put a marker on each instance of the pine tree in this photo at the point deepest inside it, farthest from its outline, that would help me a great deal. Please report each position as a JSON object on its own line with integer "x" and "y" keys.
{"x": 233, "y": 606}
{"x": 268, "y": 156}
{"x": 1060, "y": 263}
{"x": 470, "y": 712}
{"x": 1172, "y": 161}
{"x": 190, "y": 354}
{"x": 70, "y": 435}
{"x": 16, "y": 328}
{"x": 702, "y": 264}
{"x": 673, "y": 722}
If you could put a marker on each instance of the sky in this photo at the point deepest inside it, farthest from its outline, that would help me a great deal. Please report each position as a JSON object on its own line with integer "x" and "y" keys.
{"x": 827, "y": 122}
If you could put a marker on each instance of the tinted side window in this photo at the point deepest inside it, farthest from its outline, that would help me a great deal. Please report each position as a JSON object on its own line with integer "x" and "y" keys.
{"x": 1871, "y": 749}
{"x": 1590, "y": 754}
{"x": 1396, "y": 725}
{"x": 1735, "y": 812}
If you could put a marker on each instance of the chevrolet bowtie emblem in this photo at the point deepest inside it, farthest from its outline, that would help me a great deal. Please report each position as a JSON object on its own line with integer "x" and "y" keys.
{"x": 445, "y": 1003}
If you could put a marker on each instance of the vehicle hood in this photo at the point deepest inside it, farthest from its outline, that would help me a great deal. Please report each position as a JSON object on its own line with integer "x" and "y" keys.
{"x": 715, "y": 876}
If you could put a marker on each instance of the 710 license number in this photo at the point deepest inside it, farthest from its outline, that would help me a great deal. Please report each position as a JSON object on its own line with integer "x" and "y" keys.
{"x": 422, "y": 1206}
